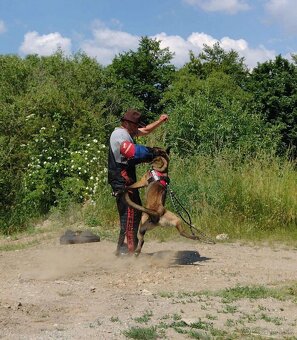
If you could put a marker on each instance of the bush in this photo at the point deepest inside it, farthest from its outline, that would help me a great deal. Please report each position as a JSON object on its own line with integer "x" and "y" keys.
{"x": 227, "y": 195}
{"x": 212, "y": 115}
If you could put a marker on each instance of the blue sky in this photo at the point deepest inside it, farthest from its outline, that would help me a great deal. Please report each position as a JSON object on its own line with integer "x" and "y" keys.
{"x": 257, "y": 29}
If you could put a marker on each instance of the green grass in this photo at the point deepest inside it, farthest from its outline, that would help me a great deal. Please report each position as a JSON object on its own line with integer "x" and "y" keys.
{"x": 229, "y": 295}
{"x": 18, "y": 246}
{"x": 238, "y": 324}
{"x": 253, "y": 200}
{"x": 258, "y": 292}
{"x": 145, "y": 318}
{"x": 141, "y": 333}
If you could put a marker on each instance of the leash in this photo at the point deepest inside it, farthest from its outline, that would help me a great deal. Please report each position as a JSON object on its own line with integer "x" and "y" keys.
{"x": 194, "y": 230}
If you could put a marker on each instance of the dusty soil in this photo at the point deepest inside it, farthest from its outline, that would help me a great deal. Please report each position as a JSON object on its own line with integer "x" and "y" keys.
{"x": 53, "y": 291}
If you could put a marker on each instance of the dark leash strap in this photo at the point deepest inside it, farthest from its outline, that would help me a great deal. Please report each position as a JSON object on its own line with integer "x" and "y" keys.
{"x": 194, "y": 230}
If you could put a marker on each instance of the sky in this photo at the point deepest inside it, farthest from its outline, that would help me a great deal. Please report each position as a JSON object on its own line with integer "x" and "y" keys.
{"x": 257, "y": 29}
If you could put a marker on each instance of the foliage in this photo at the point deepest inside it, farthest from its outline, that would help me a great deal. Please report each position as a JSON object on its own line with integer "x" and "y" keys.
{"x": 146, "y": 73}
{"x": 51, "y": 98}
{"x": 141, "y": 333}
{"x": 59, "y": 173}
{"x": 237, "y": 197}
{"x": 57, "y": 112}
{"x": 216, "y": 118}
{"x": 274, "y": 87}
{"x": 215, "y": 58}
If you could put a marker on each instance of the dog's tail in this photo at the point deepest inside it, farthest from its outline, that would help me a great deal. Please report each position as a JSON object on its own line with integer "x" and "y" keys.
{"x": 154, "y": 215}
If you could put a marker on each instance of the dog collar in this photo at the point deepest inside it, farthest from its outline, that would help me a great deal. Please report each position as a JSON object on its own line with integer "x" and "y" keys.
{"x": 157, "y": 176}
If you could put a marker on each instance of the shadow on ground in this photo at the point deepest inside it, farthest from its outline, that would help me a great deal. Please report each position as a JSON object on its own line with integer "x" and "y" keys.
{"x": 180, "y": 258}
{"x": 189, "y": 257}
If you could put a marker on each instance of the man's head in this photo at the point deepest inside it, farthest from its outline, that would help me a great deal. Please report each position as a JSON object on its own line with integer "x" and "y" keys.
{"x": 131, "y": 120}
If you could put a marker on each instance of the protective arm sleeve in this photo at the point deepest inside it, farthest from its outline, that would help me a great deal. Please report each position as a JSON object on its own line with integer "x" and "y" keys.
{"x": 136, "y": 153}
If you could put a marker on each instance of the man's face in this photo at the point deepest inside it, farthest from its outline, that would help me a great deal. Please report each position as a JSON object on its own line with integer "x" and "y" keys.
{"x": 132, "y": 128}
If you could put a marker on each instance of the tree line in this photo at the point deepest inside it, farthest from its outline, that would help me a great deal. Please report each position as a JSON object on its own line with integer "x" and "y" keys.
{"x": 56, "y": 114}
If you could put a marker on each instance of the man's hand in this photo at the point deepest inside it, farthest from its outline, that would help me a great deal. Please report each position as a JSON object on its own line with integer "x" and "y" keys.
{"x": 163, "y": 117}
{"x": 152, "y": 126}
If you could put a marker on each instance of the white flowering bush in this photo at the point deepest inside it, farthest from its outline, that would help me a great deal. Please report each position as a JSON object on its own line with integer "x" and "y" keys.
{"x": 61, "y": 172}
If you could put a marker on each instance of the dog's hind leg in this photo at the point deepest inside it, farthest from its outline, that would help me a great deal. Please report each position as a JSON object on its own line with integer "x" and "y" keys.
{"x": 171, "y": 219}
{"x": 145, "y": 225}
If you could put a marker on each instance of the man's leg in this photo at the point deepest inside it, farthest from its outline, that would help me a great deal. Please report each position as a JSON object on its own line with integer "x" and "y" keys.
{"x": 129, "y": 222}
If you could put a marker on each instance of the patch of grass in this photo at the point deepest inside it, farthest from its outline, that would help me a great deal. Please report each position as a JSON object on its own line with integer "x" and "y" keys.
{"x": 18, "y": 246}
{"x": 277, "y": 321}
{"x": 95, "y": 324}
{"x": 114, "y": 319}
{"x": 197, "y": 335}
{"x": 141, "y": 333}
{"x": 229, "y": 309}
{"x": 165, "y": 317}
{"x": 166, "y": 295}
{"x": 230, "y": 323}
{"x": 176, "y": 317}
{"x": 259, "y": 292}
{"x": 252, "y": 200}
{"x": 247, "y": 292}
{"x": 182, "y": 295}
{"x": 145, "y": 317}
{"x": 229, "y": 295}
{"x": 211, "y": 317}
{"x": 191, "y": 330}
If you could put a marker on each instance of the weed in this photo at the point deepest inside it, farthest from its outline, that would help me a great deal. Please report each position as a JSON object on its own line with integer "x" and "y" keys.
{"x": 141, "y": 333}
{"x": 166, "y": 295}
{"x": 229, "y": 309}
{"x": 176, "y": 317}
{"x": 277, "y": 321}
{"x": 241, "y": 292}
{"x": 145, "y": 317}
{"x": 114, "y": 319}
{"x": 18, "y": 246}
{"x": 95, "y": 324}
{"x": 211, "y": 317}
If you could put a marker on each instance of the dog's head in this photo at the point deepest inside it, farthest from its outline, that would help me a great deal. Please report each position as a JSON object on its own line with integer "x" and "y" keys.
{"x": 161, "y": 159}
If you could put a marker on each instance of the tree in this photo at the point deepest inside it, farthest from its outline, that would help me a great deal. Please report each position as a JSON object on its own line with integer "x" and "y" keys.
{"x": 274, "y": 86}
{"x": 53, "y": 131}
{"x": 216, "y": 59}
{"x": 213, "y": 115}
{"x": 145, "y": 73}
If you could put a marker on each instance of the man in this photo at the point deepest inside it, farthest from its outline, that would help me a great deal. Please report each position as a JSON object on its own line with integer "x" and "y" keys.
{"x": 123, "y": 156}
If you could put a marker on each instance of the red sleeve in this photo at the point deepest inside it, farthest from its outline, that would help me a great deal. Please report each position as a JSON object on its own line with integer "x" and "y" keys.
{"x": 127, "y": 149}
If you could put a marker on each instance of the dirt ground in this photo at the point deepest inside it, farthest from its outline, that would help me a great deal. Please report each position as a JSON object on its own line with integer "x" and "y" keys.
{"x": 53, "y": 291}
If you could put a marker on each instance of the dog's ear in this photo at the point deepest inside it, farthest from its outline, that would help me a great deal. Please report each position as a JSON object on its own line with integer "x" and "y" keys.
{"x": 168, "y": 150}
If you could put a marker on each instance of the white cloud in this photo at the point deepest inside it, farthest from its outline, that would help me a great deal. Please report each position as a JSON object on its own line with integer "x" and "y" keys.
{"x": 289, "y": 56}
{"x": 283, "y": 12}
{"x": 176, "y": 44}
{"x": 46, "y": 44}
{"x": 2, "y": 27}
{"x": 196, "y": 41}
{"x": 106, "y": 43}
{"x": 228, "y": 6}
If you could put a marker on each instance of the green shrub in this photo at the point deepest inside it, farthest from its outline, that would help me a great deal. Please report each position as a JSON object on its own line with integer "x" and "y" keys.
{"x": 226, "y": 195}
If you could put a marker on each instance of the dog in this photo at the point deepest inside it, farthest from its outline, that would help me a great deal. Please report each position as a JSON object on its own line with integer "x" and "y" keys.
{"x": 154, "y": 212}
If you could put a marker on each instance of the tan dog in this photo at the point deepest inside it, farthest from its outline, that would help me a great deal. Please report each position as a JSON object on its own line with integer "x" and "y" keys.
{"x": 154, "y": 211}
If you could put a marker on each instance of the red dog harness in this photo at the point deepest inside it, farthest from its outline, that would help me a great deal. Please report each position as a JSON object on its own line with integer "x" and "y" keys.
{"x": 157, "y": 176}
